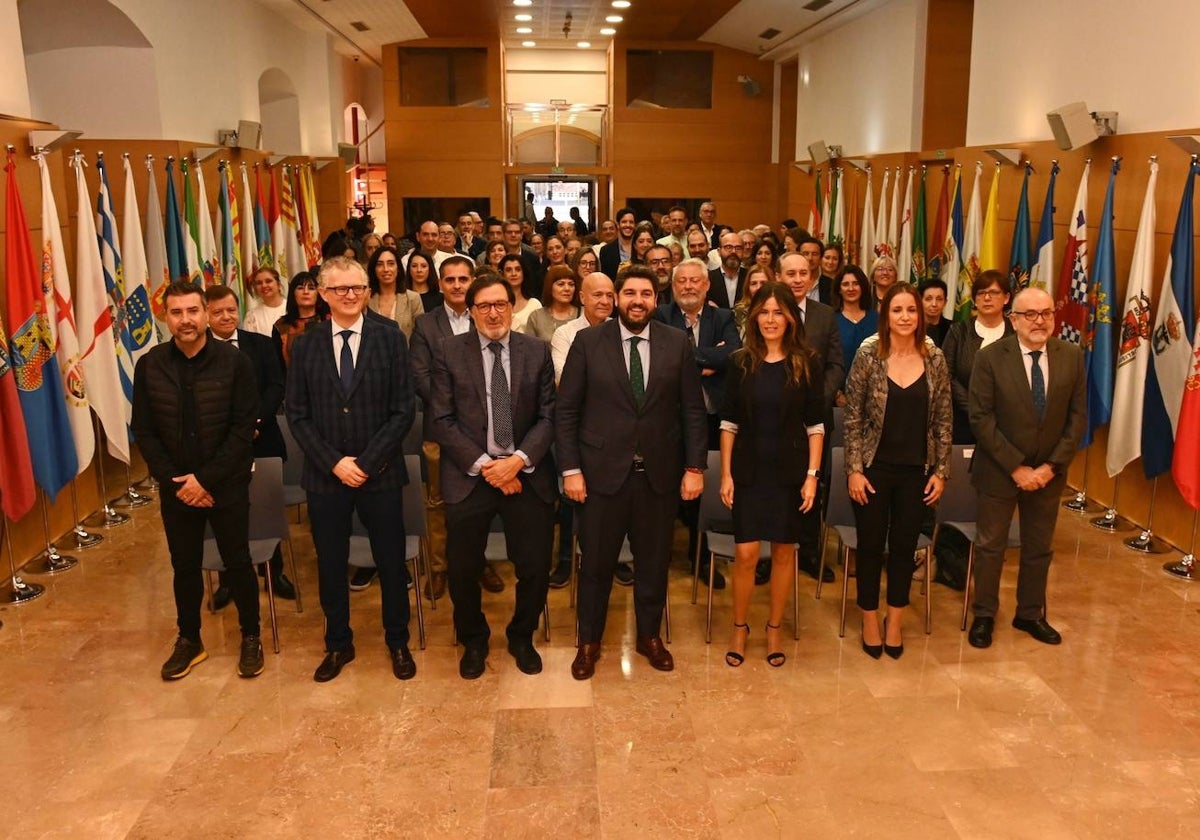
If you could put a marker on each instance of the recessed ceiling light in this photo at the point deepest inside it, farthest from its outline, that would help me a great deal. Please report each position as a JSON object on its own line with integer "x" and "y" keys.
{"x": 523, "y": 18}
{"x": 522, "y": 2}
{"x": 583, "y": 45}
{"x": 614, "y": 19}
{"x": 621, "y": 4}
{"x": 608, "y": 30}
{"x": 529, "y": 43}
{"x": 524, "y": 30}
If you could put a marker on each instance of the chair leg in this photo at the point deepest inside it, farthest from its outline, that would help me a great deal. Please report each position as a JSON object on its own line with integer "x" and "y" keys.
{"x": 708, "y": 612}
{"x": 417, "y": 593}
{"x": 295, "y": 575}
{"x": 696, "y": 570}
{"x": 796, "y": 596}
{"x": 667, "y": 616}
{"x": 546, "y": 620}
{"x": 967, "y": 583}
{"x": 821, "y": 566}
{"x": 576, "y": 562}
{"x": 929, "y": 589}
{"x": 271, "y": 610}
{"x": 208, "y": 586}
{"x": 845, "y": 589}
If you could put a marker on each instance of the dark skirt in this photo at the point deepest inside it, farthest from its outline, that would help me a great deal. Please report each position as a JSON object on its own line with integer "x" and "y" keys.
{"x": 767, "y": 512}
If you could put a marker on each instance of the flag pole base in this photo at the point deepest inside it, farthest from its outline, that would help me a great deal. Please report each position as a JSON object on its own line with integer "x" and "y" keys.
{"x": 20, "y": 592}
{"x": 1080, "y": 503}
{"x": 148, "y": 484}
{"x": 50, "y": 562}
{"x": 130, "y": 499}
{"x": 1184, "y": 569}
{"x": 106, "y": 517}
{"x": 1147, "y": 543}
{"x": 85, "y": 539}
{"x": 1112, "y": 521}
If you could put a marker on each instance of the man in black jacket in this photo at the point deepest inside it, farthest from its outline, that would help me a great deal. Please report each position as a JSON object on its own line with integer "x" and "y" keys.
{"x": 194, "y": 407}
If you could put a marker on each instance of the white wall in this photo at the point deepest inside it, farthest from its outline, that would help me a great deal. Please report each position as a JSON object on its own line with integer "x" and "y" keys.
{"x": 1030, "y": 56}
{"x": 14, "y": 88}
{"x": 65, "y": 88}
{"x": 537, "y": 76}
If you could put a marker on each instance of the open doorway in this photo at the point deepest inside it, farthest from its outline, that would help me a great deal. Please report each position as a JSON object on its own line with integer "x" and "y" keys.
{"x": 560, "y": 196}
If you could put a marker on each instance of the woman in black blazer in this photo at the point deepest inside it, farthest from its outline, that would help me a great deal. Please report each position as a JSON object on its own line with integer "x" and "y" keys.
{"x": 772, "y": 436}
{"x": 991, "y": 293}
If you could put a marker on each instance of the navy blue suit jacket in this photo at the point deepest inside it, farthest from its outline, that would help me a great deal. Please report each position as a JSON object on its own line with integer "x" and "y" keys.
{"x": 718, "y": 339}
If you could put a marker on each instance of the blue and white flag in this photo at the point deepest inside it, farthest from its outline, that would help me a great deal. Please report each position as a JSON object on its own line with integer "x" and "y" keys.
{"x": 1041, "y": 273}
{"x": 1099, "y": 344}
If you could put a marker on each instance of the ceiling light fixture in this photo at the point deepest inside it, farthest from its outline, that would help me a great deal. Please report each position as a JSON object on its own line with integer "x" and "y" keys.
{"x": 583, "y": 45}
{"x": 613, "y": 19}
{"x": 523, "y": 18}
{"x": 522, "y": 2}
{"x": 529, "y": 43}
{"x": 524, "y": 30}
{"x": 621, "y": 4}
{"x": 608, "y": 30}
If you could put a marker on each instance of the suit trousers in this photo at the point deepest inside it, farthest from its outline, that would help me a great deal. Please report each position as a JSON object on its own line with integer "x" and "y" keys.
{"x": 648, "y": 518}
{"x": 435, "y": 508}
{"x": 184, "y": 526}
{"x": 382, "y": 514}
{"x": 892, "y": 515}
{"x": 529, "y": 535}
{"x": 1038, "y": 517}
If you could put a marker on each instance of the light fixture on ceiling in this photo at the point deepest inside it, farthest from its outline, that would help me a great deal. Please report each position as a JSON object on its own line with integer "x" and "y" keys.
{"x": 613, "y": 19}
{"x": 621, "y": 4}
{"x": 524, "y": 30}
{"x": 608, "y": 30}
{"x": 523, "y": 18}
{"x": 583, "y": 45}
{"x": 529, "y": 43}
{"x": 1074, "y": 126}
{"x": 522, "y": 2}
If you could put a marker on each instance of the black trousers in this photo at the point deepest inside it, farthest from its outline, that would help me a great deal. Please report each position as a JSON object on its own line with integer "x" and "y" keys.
{"x": 184, "y": 526}
{"x": 892, "y": 515}
{"x": 647, "y": 518}
{"x": 382, "y": 514}
{"x": 529, "y": 535}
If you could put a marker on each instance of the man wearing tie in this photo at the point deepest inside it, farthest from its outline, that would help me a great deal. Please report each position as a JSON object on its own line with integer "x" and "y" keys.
{"x": 493, "y": 417}
{"x": 1028, "y": 408}
{"x": 350, "y": 404}
{"x": 630, "y": 430}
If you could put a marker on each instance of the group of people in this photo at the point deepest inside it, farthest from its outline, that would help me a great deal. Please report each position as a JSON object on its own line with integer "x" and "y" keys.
{"x": 586, "y": 388}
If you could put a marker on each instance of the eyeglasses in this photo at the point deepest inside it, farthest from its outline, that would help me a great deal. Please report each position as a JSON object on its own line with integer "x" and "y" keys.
{"x": 1032, "y": 315}
{"x": 990, "y": 293}
{"x": 660, "y": 261}
{"x": 500, "y": 307}
{"x": 347, "y": 291}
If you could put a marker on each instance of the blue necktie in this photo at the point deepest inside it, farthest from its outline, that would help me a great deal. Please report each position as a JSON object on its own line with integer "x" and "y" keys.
{"x": 347, "y": 361}
{"x": 1038, "y": 383}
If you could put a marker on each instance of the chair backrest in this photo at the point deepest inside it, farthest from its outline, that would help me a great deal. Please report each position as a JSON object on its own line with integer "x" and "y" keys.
{"x": 415, "y": 436}
{"x": 413, "y": 499}
{"x": 959, "y": 501}
{"x": 268, "y": 515}
{"x": 837, "y": 435}
{"x": 840, "y": 510}
{"x": 294, "y": 465}
{"x": 714, "y": 516}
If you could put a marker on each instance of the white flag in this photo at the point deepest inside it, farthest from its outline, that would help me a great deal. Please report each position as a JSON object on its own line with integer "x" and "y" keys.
{"x": 904, "y": 257}
{"x": 893, "y": 235}
{"x": 881, "y": 224}
{"x": 249, "y": 243}
{"x": 1133, "y": 354}
{"x": 157, "y": 267}
{"x": 137, "y": 273}
{"x": 98, "y": 356}
{"x": 56, "y": 285}
{"x": 210, "y": 257}
{"x": 866, "y": 245}
{"x": 972, "y": 236}
{"x": 294, "y": 252}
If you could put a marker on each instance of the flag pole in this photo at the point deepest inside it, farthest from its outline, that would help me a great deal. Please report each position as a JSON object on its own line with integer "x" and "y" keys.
{"x": 131, "y": 498}
{"x": 49, "y": 562}
{"x": 18, "y": 590}
{"x": 83, "y": 537}
{"x": 1146, "y": 542}
{"x": 106, "y": 517}
{"x": 1111, "y": 520}
{"x": 1080, "y": 503}
{"x": 1185, "y": 568}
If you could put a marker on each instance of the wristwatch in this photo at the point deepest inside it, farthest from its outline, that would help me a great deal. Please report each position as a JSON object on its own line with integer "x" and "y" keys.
{"x": 814, "y": 473}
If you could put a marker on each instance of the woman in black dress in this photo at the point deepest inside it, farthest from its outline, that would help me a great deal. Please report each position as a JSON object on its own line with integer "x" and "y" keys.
{"x": 771, "y": 441}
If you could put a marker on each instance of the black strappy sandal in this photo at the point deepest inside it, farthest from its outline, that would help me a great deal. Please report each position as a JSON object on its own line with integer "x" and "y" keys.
{"x": 776, "y": 657}
{"x": 732, "y": 658}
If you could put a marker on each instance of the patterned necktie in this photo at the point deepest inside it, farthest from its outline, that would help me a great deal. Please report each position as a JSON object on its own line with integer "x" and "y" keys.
{"x": 347, "y": 361}
{"x": 501, "y": 400}
{"x": 636, "y": 377}
{"x": 1038, "y": 383}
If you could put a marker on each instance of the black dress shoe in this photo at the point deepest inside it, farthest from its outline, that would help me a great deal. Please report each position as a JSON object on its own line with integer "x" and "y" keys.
{"x": 283, "y": 587}
{"x": 526, "y": 656}
{"x": 403, "y": 666}
{"x": 811, "y": 568}
{"x": 473, "y": 662}
{"x": 361, "y": 579}
{"x": 333, "y": 663}
{"x": 980, "y": 634}
{"x": 623, "y": 574}
{"x": 221, "y": 597}
{"x": 490, "y": 580}
{"x": 561, "y": 575}
{"x": 1040, "y": 629}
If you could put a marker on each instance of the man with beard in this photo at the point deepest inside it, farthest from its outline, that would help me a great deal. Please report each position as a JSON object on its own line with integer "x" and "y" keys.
{"x": 725, "y": 283}
{"x": 620, "y": 250}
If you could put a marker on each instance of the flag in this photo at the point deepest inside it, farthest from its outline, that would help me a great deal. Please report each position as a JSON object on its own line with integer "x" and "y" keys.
{"x": 99, "y": 349}
{"x": 249, "y": 242}
{"x": 893, "y": 229}
{"x": 262, "y": 228}
{"x": 827, "y": 206}
{"x": 969, "y": 251}
{"x": 230, "y": 270}
{"x": 1041, "y": 273}
{"x": 953, "y": 245}
{"x": 1133, "y": 355}
{"x": 1099, "y": 349}
{"x": 191, "y": 229}
{"x": 1185, "y": 465}
{"x": 881, "y": 226}
{"x": 176, "y": 253}
{"x": 904, "y": 252}
{"x": 293, "y": 254}
{"x": 989, "y": 243}
{"x": 233, "y": 276}
{"x": 56, "y": 286}
{"x": 17, "y": 490}
{"x": 866, "y": 242}
{"x": 32, "y": 352}
{"x": 206, "y": 243}
{"x": 919, "y": 268}
{"x": 1171, "y": 356}
{"x": 157, "y": 265}
{"x": 1018, "y": 255}
{"x": 1070, "y": 302}
{"x": 312, "y": 245}
{"x": 275, "y": 219}
{"x": 940, "y": 223}
{"x": 139, "y": 315}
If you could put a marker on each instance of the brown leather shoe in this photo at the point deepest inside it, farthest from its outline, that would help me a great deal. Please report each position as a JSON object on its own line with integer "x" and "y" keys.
{"x": 435, "y": 585}
{"x": 491, "y": 581}
{"x": 653, "y": 649}
{"x": 585, "y": 661}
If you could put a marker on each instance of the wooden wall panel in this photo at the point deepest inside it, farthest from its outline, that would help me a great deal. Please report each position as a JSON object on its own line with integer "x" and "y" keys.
{"x": 947, "y": 73}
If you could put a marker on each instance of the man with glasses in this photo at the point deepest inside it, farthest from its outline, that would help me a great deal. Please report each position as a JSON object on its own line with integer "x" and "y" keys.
{"x": 493, "y": 417}
{"x": 726, "y": 282}
{"x": 349, "y": 404}
{"x": 1027, "y": 407}
{"x": 658, "y": 257}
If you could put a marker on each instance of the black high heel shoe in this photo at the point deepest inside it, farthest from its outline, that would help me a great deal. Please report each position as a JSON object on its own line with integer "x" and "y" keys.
{"x": 776, "y": 657}
{"x": 894, "y": 651}
{"x": 873, "y": 651}
{"x": 732, "y": 658}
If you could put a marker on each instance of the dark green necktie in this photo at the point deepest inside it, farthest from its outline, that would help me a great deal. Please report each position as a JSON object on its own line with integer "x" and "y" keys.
{"x": 636, "y": 377}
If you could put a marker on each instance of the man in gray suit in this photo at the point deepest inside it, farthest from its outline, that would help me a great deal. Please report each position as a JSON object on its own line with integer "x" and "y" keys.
{"x": 493, "y": 416}
{"x": 1027, "y": 407}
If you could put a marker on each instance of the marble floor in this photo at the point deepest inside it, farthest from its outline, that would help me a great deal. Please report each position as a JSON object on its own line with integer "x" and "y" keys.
{"x": 1097, "y": 738}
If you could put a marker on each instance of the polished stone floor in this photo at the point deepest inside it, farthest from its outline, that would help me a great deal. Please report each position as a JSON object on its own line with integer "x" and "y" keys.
{"x": 1097, "y": 738}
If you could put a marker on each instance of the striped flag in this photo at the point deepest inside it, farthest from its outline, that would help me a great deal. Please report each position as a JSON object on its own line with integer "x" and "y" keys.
{"x": 1071, "y": 298}
{"x": 279, "y": 252}
{"x": 989, "y": 243}
{"x": 881, "y": 225}
{"x": 231, "y": 269}
{"x": 293, "y": 253}
{"x": 249, "y": 240}
{"x": 206, "y": 242}
{"x": 1099, "y": 346}
{"x": 1133, "y": 355}
{"x": 32, "y": 351}
{"x": 919, "y": 267}
{"x": 1018, "y": 256}
{"x": 312, "y": 244}
{"x": 128, "y": 342}
{"x": 1041, "y": 273}
{"x": 139, "y": 314}
{"x": 866, "y": 242}
{"x": 157, "y": 264}
{"x": 940, "y": 223}
{"x": 952, "y": 247}
{"x": 1185, "y": 465}
{"x": 176, "y": 252}
{"x": 1171, "y": 357}
{"x": 98, "y": 346}
{"x": 262, "y": 227}
{"x": 17, "y": 490}
{"x": 904, "y": 249}
{"x": 56, "y": 286}
{"x": 969, "y": 251}
{"x": 191, "y": 229}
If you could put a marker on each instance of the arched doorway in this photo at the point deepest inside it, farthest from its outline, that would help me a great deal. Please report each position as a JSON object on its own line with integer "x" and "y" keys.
{"x": 279, "y": 112}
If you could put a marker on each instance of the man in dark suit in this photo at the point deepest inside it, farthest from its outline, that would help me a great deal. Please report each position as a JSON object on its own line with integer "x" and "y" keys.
{"x": 1028, "y": 409}
{"x": 725, "y": 284}
{"x": 811, "y": 249}
{"x": 821, "y": 333}
{"x": 350, "y": 404}
{"x": 493, "y": 416}
{"x": 630, "y": 431}
{"x": 620, "y": 250}
{"x": 222, "y": 306}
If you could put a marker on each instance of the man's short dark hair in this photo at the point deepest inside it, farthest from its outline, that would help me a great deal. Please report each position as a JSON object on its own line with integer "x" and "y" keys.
{"x": 625, "y": 211}
{"x": 485, "y": 282}
{"x": 182, "y": 288}
{"x": 658, "y": 246}
{"x": 457, "y": 259}
{"x": 934, "y": 283}
{"x": 219, "y": 291}
{"x": 788, "y": 224}
{"x": 675, "y": 207}
{"x": 634, "y": 270}
{"x": 807, "y": 239}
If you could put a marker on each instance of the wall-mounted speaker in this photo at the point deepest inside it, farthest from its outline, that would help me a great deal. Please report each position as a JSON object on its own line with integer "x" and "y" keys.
{"x": 249, "y": 135}
{"x": 1073, "y": 126}
{"x": 348, "y": 152}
